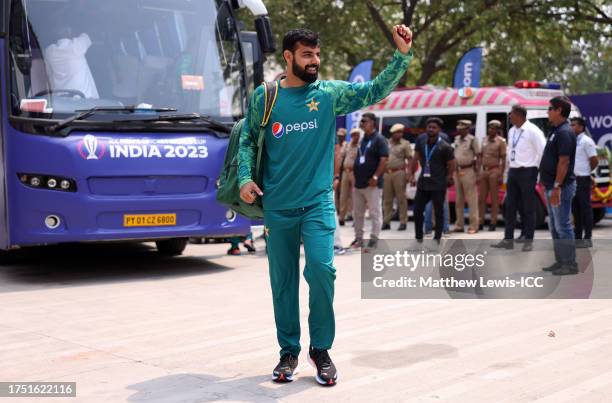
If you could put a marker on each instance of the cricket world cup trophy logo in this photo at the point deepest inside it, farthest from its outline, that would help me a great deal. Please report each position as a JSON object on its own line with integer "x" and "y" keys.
{"x": 90, "y": 148}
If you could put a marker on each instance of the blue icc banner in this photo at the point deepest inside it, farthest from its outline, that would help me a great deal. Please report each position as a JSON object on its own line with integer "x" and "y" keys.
{"x": 596, "y": 109}
{"x": 360, "y": 74}
{"x": 467, "y": 71}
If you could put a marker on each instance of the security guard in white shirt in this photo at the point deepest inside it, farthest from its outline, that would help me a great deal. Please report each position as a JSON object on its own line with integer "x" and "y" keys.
{"x": 586, "y": 161}
{"x": 525, "y": 147}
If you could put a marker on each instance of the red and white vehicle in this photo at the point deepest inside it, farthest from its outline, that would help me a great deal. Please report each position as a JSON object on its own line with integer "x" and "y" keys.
{"x": 413, "y": 106}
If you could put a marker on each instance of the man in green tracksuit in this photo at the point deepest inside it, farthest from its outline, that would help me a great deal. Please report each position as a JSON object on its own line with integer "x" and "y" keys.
{"x": 298, "y": 180}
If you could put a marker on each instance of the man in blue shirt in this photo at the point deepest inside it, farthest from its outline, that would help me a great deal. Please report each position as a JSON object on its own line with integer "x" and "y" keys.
{"x": 368, "y": 168}
{"x": 557, "y": 176}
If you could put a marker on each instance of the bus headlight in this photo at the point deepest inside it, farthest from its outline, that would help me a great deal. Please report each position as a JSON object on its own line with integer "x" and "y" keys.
{"x": 230, "y": 215}
{"x": 34, "y": 181}
{"x": 52, "y": 182}
{"x": 52, "y": 221}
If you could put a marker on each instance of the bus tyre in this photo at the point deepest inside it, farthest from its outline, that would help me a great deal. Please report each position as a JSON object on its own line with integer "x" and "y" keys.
{"x": 598, "y": 214}
{"x": 6, "y": 257}
{"x": 171, "y": 247}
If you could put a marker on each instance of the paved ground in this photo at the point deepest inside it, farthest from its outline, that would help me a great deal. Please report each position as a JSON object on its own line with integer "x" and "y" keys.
{"x": 129, "y": 326}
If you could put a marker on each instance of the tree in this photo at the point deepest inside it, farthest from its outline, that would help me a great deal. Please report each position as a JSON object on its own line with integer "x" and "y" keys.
{"x": 557, "y": 40}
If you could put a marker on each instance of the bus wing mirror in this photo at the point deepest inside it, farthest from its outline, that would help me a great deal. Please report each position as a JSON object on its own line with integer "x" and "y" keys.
{"x": 264, "y": 34}
{"x": 254, "y": 59}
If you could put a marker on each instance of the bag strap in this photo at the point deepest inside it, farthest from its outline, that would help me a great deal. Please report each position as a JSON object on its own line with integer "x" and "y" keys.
{"x": 270, "y": 95}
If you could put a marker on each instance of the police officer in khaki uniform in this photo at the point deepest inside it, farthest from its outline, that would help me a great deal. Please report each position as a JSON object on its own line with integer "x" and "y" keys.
{"x": 394, "y": 182}
{"x": 347, "y": 156}
{"x": 467, "y": 155}
{"x": 492, "y": 175}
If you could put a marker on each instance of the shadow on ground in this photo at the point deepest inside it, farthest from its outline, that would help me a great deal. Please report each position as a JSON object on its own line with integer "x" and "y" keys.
{"x": 208, "y": 388}
{"x": 86, "y": 264}
{"x": 404, "y": 357}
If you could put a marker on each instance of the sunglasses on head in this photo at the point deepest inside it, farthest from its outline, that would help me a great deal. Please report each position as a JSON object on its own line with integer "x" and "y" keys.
{"x": 551, "y": 108}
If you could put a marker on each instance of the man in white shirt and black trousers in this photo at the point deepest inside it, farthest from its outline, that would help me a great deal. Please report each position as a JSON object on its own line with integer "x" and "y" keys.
{"x": 524, "y": 150}
{"x": 586, "y": 161}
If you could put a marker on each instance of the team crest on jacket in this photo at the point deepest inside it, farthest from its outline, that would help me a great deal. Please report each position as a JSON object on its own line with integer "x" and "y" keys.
{"x": 313, "y": 105}
{"x": 278, "y": 130}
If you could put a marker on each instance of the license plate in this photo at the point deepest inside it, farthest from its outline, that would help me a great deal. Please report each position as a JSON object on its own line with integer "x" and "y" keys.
{"x": 149, "y": 220}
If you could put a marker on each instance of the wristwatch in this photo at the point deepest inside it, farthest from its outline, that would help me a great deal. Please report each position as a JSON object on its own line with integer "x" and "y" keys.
{"x": 556, "y": 185}
{"x": 375, "y": 177}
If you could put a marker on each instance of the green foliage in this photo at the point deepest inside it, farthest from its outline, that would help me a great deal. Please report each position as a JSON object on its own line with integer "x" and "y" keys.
{"x": 568, "y": 41}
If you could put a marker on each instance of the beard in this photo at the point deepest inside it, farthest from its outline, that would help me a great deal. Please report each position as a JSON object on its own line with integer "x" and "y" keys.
{"x": 303, "y": 74}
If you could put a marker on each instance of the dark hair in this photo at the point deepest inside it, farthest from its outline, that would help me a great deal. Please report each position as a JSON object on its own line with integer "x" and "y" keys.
{"x": 520, "y": 109}
{"x": 369, "y": 115}
{"x": 304, "y": 36}
{"x": 435, "y": 120}
{"x": 580, "y": 121}
{"x": 563, "y": 103}
{"x": 63, "y": 28}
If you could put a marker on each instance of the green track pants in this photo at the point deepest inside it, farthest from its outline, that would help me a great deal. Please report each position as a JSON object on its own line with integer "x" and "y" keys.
{"x": 315, "y": 225}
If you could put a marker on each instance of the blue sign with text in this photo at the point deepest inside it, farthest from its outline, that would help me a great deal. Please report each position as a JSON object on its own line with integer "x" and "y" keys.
{"x": 360, "y": 74}
{"x": 467, "y": 72}
{"x": 596, "y": 109}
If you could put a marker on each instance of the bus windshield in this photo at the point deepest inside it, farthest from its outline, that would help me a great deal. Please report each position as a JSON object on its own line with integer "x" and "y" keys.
{"x": 69, "y": 55}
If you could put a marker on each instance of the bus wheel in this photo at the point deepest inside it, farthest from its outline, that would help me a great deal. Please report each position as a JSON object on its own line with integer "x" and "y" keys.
{"x": 6, "y": 257}
{"x": 171, "y": 247}
{"x": 598, "y": 214}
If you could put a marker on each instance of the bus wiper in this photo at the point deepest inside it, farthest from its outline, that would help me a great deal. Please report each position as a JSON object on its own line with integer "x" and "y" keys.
{"x": 213, "y": 123}
{"x": 209, "y": 121}
{"x": 85, "y": 113}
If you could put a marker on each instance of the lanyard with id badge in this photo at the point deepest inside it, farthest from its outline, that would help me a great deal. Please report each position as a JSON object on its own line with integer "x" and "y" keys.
{"x": 362, "y": 157}
{"x": 515, "y": 141}
{"x": 428, "y": 155}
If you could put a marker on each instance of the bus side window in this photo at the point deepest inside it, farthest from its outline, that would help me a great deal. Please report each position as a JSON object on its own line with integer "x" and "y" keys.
{"x": 450, "y": 123}
{"x": 414, "y": 125}
{"x": 29, "y": 73}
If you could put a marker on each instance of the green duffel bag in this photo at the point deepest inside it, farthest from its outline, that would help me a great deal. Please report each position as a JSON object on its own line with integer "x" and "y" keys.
{"x": 228, "y": 189}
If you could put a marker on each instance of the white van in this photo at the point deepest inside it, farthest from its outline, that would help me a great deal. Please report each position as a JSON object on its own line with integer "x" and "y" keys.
{"x": 412, "y": 106}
